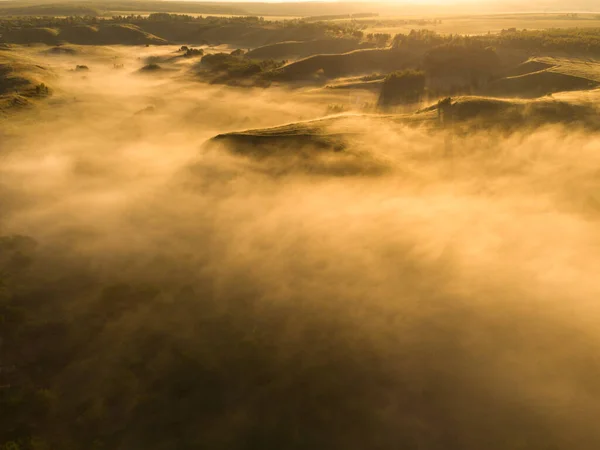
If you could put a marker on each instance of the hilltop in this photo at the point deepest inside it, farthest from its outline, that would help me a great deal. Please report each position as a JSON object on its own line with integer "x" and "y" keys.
{"x": 304, "y": 49}
{"x": 320, "y": 68}
{"x": 22, "y": 80}
{"x": 461, "y": 115}
{"x": 101, "y": 34}
{"x": 160, "y": 28}
{"x": 546, "y": 75}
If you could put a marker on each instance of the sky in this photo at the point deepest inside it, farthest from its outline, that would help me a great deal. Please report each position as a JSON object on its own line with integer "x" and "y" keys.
{"x": 588, "y": 5}
{"x": 539, "y": 5}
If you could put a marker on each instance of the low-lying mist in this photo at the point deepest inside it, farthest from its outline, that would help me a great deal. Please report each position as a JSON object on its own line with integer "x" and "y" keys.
{"x": 210, "y": 300}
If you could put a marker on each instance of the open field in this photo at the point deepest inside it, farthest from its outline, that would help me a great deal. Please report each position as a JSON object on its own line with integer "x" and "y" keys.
{"x": 230, "y": 233}
{"x": 484, "y": 24}
{"x": 588, "y": 69}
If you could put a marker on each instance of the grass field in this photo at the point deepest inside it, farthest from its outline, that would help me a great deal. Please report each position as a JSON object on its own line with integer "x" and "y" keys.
{"x": 484, "y": 24}
{"x": 577, "y": 67}
{"x": 109, "y": 14}
{"x": 548, "y": 75}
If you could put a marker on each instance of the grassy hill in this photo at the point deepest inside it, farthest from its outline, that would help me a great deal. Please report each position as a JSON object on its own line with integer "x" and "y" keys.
{"x": 21, "y": 80}
{"x": 547, "y": 75}
{"x": 319, "y": 147}
{"x": 540, "y": 83}
{"x": 242, "y": 32}
{"x": 577, "y": 67}
{"x": 109, "y": 34}
{"x": 339, "y": 134}
{"x": 234, "y": 69}
{"x": 511, "y": 115}
{"x": 124, "y": 34}
{"x": 251, "y": 36}
{"x": 314, "y": 138}
{"x": 346, "y": 64}
{"x": 42, "y": 35}
{"x": 528, "y": 67}
{"x": 108, "y": 8}
{"x": 304, "y": 49}
{"x": 313, "y": 134}
{"x": 358, "y": 84}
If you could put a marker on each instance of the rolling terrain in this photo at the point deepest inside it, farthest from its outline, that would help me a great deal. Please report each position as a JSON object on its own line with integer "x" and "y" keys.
{"x": 330, "y": 66}
{"x": 304, "y": 49}
{"x": 22, "y": 80}
{"x": 240, "y": 233}
{"x": 465, "y": 114}
{"x": 547, "y": 75}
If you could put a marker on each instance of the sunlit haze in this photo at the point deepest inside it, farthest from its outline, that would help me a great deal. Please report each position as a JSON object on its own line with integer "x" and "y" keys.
{"x": 299, "y": 225}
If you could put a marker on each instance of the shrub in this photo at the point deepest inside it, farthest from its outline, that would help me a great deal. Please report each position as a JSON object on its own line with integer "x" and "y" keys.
{"x": 151, "y": 68}
{"x": 191, "y": 52}
{"x": 42, "y": 90}
{"x": 237, "y": 67}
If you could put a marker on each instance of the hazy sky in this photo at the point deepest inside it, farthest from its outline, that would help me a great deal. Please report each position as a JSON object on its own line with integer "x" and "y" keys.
{"x": 591, "y": 5}
{"x": 409, "y": 2}
{"x": 516, "y": 5}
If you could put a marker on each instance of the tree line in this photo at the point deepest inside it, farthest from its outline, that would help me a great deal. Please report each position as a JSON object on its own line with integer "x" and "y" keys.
{"x": 568, "y": 40}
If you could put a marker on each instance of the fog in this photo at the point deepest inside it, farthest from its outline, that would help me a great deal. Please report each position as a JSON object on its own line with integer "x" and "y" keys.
{"x": 440, "y": 301}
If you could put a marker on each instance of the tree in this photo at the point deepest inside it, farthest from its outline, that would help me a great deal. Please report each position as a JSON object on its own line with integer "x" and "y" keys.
{"x": 357, "y": 34}
{"x": 382, "y": 39}
{"x": 402, "y": 87}
{"x": 469, "y": 61}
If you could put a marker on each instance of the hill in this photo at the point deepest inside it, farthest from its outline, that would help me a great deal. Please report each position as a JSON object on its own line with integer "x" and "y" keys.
{"x": 251, "y": 36}
{"x": 577, "y": 67}
{"x": 112, "y": 34}
{"x": 540, "y": 83}
{"x": 340, "y": 134}
{"x": 21, "y": 80}
{"x": 304, "y": 49}
{"x": 313, "y": 134}
{"x": 42, "y": 35}
{"x": 547, "y": 75}
{"x": 66, "y": 9}
{"x": 358, "y": 84}
{"x": 319, "y": 147}
{"x": 242, "y": 32}
{"x": 87, "y": 8}
{"x": 105, "y": 34}
{"x": 234, "y": 69}
{"x": 528, "y": 67}
{"x": 510, "y": 115}
{"x": 323, "y": 67}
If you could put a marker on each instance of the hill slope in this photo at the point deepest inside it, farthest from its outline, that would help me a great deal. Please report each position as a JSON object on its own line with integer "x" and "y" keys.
{"x": 547, "y": 75}
{"x": 304, "y": 49}
{"x": 108, "y": 34}
{"x": 20, "y": 80}
{"x": 333, "y": 134}
{"x": 346, "y": 64}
